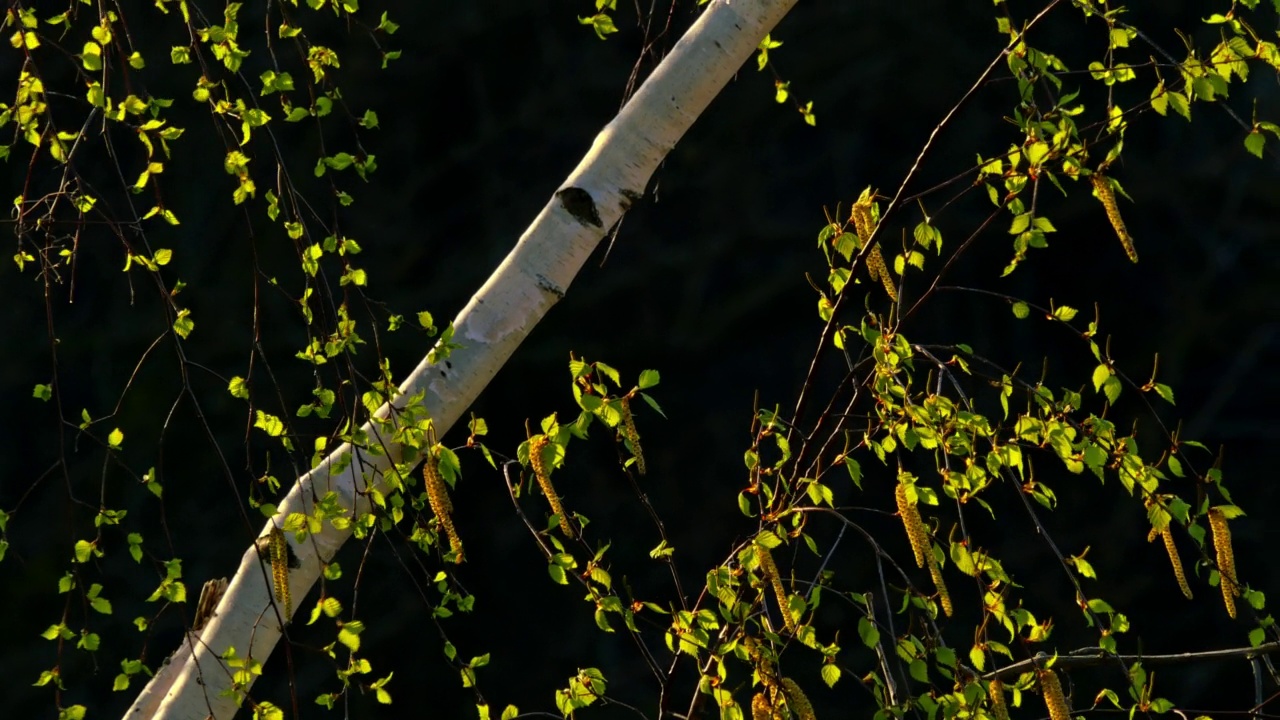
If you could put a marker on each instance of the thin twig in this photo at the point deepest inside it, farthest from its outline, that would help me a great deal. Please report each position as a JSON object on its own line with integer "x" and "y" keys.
{"x": 1093, "y": 657}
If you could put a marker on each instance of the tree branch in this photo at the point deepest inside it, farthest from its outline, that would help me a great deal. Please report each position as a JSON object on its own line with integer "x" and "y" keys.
{"x": 1091, "y": 657}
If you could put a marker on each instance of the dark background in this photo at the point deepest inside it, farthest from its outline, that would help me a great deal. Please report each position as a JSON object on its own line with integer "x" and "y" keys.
{"x": 491, "y": 106}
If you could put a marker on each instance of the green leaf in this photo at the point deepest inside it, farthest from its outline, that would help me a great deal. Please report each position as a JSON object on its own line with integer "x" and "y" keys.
{"x": 1021, "y": 310}
{"x": 1257, "y": 636}
{"x": 601, "y": 23}
{"x": 649, "y": 378}
{"x": 1230, "y": 512}
{"x": 42, "y": 392}
{"x": 1254, "y": 142}
{"x": 557, "y": 574}
{"x": 1064, "y": 313}
{"x": 855, "y": 471}
{"x": 978, "y": 658}
{"x": 239, "y": 388}
{"x": 609, "y": 372}
{"x": 1100, "y": 375}
{"x": 269, "y": 423}
{"x": 602, "y": 620}
{"x": 184, "y": 324}
{"x": 1020, "y": 223}
{"x": 1165, "y": 392}
{"x": 1111, "y": 388}
{"x": 648, "y": 400}
{"x": 91, "y": 56}
{"x": 349, "y": 635}
{"x": 830, "y": 674}
{"x": 115, "y": 438}
{"x": 868, "y": 631}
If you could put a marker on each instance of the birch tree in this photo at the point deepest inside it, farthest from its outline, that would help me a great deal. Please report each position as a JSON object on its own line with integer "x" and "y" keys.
{"x": 534, "y": 276}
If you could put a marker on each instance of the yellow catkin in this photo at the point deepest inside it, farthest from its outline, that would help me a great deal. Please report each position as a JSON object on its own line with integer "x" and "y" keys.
{"x": 1226, "y": 559}
{"x": 1152, "y": 534}
{"x": 632, "y": 435}
{"x": 1053, "y": 697}
{"x": 760, "y": 708}
{"x": 770, "y": 571}
{"x": 540, "y": 471}
{"x": 944, "y": 596}
{"x": 862, "y": 224}
{"x": 916, "y": 531}
{"x": 861, "y": 216}
{"x": 878, "y": 269}
{"x": 764, "y": 668}
{"x": 438, "y": 497}
{"x": 995, "y": 690}
{"x": 278, "y": 547}
{"x": 1107, "y": 194}
{"x": 1177, "y": 562}
{"x": 797, "y": 700}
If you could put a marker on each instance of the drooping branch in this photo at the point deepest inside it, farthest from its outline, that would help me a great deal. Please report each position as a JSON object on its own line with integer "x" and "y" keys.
{"x": 198, "y": 683}
{"x": 1093, "y": 657}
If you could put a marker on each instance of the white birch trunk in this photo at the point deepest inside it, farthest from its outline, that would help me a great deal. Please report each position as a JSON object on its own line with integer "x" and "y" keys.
{"x": 532, "y": 278}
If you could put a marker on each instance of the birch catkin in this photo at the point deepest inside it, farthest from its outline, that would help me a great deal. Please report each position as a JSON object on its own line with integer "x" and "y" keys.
{"x": 438, "y": 498}
{"x": 1107, "y": 194}
{"x": 543, "y": 474}
{"x": 797, "y": 700}
{"x": 1226, "y": 559}
{"x": 760, "y": 708}
{"x": 632, "y": 434}
{"x": 914, "y": 525}
{"x": 876, "y": 267}
{"x": 1178, "y": 572}
{"x": 278, "y": 547}
{"x": 995, "y": 690}
{"x": 944, "y": 595}
{"x": 770, "y": 571}
{"x": 1054, "y": 699}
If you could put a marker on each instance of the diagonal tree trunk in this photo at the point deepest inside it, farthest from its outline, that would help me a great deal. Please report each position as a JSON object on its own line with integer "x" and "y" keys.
{"x": 192, "y": 684}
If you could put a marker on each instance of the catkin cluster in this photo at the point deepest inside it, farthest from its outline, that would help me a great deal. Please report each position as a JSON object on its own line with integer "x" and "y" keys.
{"x": 760, "y": 707}
{"x": 875, "y": 261}
{"x": 1054, "y": 699}
{"x": 797, "y": 700}
{"x": 916, "y": 531}
{"x": 995, "y": 690}
{"x": 1107, "y": 194}
{"x": 278, "y": 547}
{"x": 1178, "y": 572}
{"x": 538, "y": 461}
{"x": 438, "y": 497}
{"x": 920, "y": 545}
{"x": 944, "y": 595}
{"x": 770, "y": 571}
{"x": 1226, "y": 559}
{"x": 632, "y": 434}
